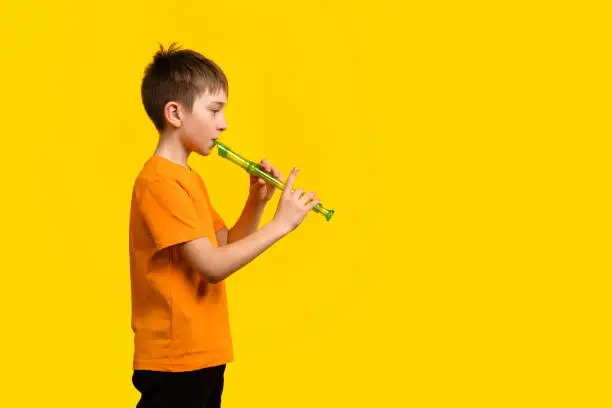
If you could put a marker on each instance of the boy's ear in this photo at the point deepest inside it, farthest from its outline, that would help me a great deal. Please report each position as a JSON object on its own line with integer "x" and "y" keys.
{"x": 173, "y": 114}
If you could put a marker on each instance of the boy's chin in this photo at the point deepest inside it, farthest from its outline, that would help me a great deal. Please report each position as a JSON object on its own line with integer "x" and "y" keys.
{"x": 204, "y": 151}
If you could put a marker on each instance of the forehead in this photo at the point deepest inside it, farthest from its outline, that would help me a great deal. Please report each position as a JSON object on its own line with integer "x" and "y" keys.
{"x": 207, "y": 97}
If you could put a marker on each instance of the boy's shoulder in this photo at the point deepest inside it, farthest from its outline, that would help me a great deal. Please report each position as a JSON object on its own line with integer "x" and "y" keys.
{"x": 158, "y": 170}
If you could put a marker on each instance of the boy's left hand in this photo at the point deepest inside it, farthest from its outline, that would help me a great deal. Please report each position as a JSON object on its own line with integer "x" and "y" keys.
{"x": 259, "y": 189}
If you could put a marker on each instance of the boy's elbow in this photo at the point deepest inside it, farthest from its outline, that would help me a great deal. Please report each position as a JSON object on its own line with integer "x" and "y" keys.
{"x": 204, "y": 259}
{"x": 211, "y": 273}
{"x": 212, "y": 278}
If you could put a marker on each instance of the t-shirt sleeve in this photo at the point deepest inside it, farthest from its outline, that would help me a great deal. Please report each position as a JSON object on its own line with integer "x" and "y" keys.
{"x": 218, "y": 222}
{"x": 170, "y": 214}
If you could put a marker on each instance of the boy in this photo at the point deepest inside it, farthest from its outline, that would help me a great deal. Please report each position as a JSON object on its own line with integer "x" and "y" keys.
{"x": 180, "y": 249}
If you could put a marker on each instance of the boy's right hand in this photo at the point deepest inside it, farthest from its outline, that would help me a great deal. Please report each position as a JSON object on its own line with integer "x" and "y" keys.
{"x": 292, "y": 206}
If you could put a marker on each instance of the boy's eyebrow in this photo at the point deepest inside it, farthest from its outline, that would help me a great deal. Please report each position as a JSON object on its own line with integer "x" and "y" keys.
{"x": 219, "y": 103}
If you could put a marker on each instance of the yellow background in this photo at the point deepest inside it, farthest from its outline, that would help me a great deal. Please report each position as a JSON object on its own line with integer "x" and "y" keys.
{"x": 465, "y": 147}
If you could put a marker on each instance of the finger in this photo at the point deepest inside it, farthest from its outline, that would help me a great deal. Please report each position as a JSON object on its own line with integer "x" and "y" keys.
{"x": 289, "y": 182}
{"x": 304, "y": 200}
{"x": 261, "y": 181}
{"x": 312, "y": 204}
{"x": 298, "y": 193}
{"x": 276, "y": 173}
{"x": 265, "y": 165}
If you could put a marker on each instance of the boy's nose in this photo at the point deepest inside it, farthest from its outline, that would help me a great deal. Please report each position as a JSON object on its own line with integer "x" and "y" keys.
{"x": 221, "y": 123}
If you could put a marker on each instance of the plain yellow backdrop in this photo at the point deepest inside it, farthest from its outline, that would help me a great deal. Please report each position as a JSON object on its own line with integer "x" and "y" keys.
{"x": 465, "y": 147}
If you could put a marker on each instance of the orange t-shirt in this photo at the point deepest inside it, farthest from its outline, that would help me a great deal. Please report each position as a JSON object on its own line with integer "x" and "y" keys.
{"x": 180, "y": 321}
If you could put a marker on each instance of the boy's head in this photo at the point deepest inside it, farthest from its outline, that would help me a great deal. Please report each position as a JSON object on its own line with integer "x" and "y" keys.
{"x": 184, "y": 94}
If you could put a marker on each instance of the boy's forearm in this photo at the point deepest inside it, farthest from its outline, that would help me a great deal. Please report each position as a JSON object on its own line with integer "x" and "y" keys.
{"x": 232, "y": 257}
{"x": 248, "y": 222}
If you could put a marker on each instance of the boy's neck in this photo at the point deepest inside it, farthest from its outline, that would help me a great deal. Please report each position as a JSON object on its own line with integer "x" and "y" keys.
{"x": 169, "y": 147}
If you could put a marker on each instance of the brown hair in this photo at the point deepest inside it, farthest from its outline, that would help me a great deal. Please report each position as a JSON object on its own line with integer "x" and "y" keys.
{"x": 178, "y": 75}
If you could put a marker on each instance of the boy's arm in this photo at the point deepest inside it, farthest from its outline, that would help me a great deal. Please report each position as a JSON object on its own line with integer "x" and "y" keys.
{"x": 222, "y": 236}
{"x": 259, "y": 194}
{"x": 216, "y": 264}
{"x": 247, "y": 223}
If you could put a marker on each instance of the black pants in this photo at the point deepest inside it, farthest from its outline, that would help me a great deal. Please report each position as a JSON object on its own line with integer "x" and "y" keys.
{"x": 190, "y": 389}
